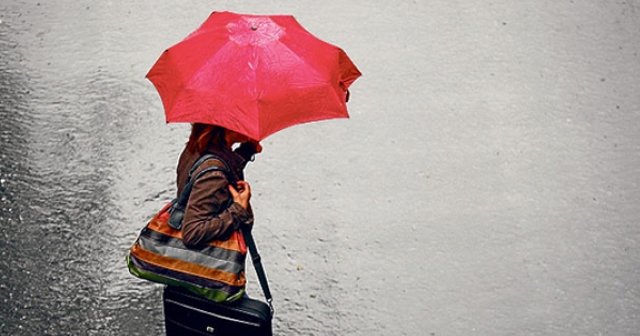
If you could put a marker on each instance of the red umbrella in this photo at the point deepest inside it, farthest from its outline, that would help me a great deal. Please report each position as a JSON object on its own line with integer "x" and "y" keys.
{"x": 253, "y": 74}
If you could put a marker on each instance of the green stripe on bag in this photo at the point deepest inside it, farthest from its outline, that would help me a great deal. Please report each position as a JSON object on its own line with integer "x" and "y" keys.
{"x": 211, "y": 294}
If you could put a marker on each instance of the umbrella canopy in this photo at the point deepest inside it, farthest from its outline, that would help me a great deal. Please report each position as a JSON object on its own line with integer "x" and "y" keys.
{"x": 253, "y": 74}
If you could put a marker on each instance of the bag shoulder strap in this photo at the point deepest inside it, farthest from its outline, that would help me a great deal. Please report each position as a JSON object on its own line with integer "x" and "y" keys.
{"x": 181, "y": 201}
{"x": 204, "y": 158}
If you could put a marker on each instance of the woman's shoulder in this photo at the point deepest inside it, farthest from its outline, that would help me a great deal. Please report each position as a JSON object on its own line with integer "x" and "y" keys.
{"x": 213, "y": 165}
{"x": 189, "y": 159}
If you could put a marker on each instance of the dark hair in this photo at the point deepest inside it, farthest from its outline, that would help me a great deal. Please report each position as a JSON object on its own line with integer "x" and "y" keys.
{"x": 205, "y": 136}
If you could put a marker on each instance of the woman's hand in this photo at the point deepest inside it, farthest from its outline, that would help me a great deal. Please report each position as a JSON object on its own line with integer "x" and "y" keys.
{"x": 252, "y": 146}
{"x": 248, "y": 149}
{"x": 242, "y": 194}
{"x": 257, "y": 146}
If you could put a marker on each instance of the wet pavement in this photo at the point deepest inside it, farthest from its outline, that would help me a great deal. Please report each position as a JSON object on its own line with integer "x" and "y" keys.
{"x": 486, "y": 183}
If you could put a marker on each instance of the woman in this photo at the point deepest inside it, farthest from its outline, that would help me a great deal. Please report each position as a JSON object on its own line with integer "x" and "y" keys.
{"x": 206, "y": 216}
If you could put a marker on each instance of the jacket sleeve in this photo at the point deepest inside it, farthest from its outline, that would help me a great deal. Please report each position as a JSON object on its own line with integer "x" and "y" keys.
{"x": 205, "y": 217}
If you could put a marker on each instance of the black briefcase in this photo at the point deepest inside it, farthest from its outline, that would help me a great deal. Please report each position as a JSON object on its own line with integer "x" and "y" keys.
{"x": 187, "y": 314}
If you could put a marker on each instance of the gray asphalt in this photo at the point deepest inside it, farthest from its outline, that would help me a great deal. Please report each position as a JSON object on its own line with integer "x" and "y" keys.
{"x": 486, "y": 183}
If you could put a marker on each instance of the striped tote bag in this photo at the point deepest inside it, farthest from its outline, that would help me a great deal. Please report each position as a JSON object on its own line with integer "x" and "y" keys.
{"x": 215, "y": 271}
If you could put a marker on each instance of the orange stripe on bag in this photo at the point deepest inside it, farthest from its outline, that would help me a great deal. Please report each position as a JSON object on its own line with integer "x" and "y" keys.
{"x": 159, "y": 224}
{"x": 187, "y": 267}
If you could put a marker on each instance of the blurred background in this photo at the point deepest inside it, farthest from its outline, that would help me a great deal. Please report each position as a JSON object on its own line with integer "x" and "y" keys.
{"x": 486, "y": 183}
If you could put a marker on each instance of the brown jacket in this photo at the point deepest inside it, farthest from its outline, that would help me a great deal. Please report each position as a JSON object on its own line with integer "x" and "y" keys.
{"x": 206, "y": 217}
